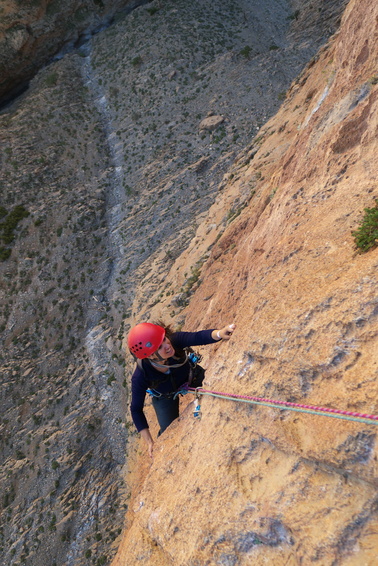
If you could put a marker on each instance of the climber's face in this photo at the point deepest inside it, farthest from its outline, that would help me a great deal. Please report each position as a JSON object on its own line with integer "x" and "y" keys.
{"x": 166, "y": 349}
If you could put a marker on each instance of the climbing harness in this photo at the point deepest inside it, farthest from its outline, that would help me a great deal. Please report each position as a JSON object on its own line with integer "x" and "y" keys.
{"x": 153, "y": 393}
{"x": 286, "y": 405}
{"x": 195, "y": 377}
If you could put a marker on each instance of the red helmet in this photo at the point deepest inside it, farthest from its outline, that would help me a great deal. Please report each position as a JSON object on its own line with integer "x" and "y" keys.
{"x": 144, "y": 339}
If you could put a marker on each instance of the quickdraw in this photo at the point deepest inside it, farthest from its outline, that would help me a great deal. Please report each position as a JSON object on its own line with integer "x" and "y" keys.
{"x": 197, "y": 407}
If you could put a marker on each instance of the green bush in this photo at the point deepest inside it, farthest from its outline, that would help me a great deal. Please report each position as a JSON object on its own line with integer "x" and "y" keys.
{"x": 81, "y": 14}
{"x": 4, "y": 253}
{"x": 52, "y": 79}
{"x": 137, "y": 61}
{"x": 366, "y": 236}
{"x": 8, "y": 227}
{"x": 53, "y": 8}
{"x": 111, "y": 379}
{"x": 18, "y": 213}
{"x": 152, "y": 10}
{"x": 246, "y": 51}
{"x": 295, "y": 15}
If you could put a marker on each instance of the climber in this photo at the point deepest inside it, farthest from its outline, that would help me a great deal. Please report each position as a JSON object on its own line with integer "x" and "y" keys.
{"x": 162, "y": 368}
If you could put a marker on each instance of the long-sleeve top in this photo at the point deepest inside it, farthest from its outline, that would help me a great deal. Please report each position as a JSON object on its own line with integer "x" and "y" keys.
{"x": 150, "y": 377}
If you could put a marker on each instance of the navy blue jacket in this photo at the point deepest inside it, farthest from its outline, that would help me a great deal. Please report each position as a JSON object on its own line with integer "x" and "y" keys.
{"x": 150, "y": 377}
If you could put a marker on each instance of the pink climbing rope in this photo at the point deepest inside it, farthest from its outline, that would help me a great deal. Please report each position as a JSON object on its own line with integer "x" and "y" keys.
{"x": 288, "y": 404}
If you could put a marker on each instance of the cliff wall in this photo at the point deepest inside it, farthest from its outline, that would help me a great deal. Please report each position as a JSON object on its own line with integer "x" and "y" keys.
{"x": 258, "y": 485}
{"x": 133, "y": 203}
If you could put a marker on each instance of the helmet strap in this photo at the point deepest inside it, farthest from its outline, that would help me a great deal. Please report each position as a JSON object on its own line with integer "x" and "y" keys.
{"x": 164, "y": 366}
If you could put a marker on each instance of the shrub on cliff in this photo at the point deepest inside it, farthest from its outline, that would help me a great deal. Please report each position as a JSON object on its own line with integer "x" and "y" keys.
{"x": 8, "y": 227}
{"x": 366, "y": 236}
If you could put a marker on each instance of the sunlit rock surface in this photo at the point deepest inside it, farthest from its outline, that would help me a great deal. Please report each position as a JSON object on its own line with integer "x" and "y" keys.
{"x": 254, "y": 485}
{"x": 131, "y": 208}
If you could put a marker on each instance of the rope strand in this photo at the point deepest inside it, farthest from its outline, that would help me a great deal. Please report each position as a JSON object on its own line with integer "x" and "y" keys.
{"x": 310, "y": 409}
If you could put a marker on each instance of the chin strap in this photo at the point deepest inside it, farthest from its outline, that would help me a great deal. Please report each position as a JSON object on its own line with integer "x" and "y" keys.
{"x": 164, "y": 366}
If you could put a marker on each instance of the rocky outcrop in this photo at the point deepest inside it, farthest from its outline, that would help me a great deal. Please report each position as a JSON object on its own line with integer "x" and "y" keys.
{"x": 32, "y": 33}
{"x": 211, "y": 123}
{"x": 259, "y": 485}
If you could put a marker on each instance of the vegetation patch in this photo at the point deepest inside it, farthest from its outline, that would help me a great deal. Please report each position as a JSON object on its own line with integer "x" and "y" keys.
{"x": 295, "y": 15}
{"x": 152, "y": 10}
{"x": 52, "y": 79}
{"x": 366, "y": 236}
{"x": 53, "y": 8}
{"x": 8, "y": 227}
{"x": 81, "y": 14}
{"x": 137, "y": 61}
{"x": 246, "y": 52}
{"x": 235, "y": 212}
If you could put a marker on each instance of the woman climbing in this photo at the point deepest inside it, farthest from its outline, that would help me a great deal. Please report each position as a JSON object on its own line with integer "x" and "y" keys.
{"x": 162, "y": 368}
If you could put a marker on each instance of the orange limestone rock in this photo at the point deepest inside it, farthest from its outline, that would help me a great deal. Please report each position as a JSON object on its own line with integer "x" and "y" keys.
{"x": 255, "y": 485}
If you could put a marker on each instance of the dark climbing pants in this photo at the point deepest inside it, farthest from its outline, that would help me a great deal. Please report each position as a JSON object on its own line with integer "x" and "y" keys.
{"x": 167, "y": 410}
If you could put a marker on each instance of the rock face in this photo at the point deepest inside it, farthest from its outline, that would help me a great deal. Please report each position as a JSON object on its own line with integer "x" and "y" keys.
{"x": 255, "y": 485}
{"x": 31, "y": 33}
{"x": 123, "y": 206}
